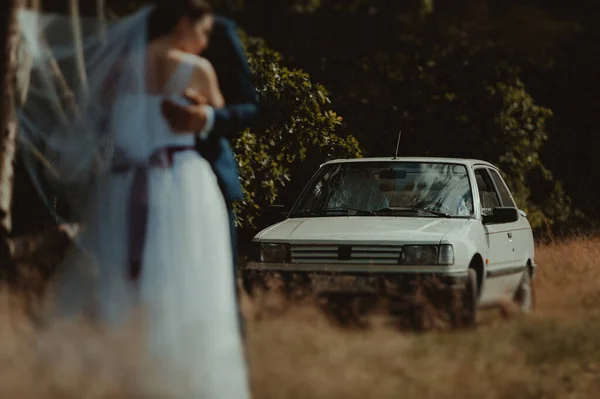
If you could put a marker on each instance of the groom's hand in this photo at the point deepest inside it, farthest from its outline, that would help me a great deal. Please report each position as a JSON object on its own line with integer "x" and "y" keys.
{"x": 186, "y": 119}
{"x": 194, "y": 97}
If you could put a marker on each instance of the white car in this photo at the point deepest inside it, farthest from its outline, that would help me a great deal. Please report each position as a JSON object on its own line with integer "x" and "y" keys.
{"x": 373, "y": 220}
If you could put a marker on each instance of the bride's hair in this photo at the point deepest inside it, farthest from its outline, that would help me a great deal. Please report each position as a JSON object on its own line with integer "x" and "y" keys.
{"x": 167, "y": 13}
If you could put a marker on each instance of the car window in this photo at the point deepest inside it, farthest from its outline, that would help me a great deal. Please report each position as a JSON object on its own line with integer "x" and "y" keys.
{"x": 488, "y": 196}
{"x": 394, "y": 188}
{"x": 505, "y": 196}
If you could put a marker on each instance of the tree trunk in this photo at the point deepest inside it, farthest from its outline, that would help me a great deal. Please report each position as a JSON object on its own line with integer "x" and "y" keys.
{"x": 8, "y": 126}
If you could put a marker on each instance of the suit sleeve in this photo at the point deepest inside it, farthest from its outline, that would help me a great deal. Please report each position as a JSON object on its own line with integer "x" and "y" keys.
{"x": 235, "y": 78}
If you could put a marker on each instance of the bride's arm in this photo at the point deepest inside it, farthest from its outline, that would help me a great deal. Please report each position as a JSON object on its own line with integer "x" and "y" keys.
{"x": 205, "y": 96}
{"x": 205, "y": 81}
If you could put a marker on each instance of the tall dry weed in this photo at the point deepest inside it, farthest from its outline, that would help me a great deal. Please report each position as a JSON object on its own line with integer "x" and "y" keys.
{"x": 71, "y": 358}
{"x": 297, "y": 350}
{"x": 552, "y": 353}
{"x": 569, "y": 275}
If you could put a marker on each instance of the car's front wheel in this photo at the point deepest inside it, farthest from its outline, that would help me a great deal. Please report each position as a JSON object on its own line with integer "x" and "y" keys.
{"x": 525, "y": 293}
{"x": 469, "y": 300}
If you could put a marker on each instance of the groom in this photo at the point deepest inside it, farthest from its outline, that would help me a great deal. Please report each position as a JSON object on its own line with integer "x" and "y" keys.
{"x": 216, "y": 127}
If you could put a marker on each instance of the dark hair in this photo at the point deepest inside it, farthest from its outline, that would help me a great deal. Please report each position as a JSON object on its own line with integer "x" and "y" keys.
{"x": 167, "y": 13}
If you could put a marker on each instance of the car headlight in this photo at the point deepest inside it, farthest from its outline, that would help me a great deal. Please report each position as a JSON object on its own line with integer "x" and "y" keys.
{"x": 274, "y": 253}
{"x": 427, "y": 255}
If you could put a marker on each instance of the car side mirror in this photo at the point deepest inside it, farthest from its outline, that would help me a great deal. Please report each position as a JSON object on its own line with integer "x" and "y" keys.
{"x": 502, "y": 215}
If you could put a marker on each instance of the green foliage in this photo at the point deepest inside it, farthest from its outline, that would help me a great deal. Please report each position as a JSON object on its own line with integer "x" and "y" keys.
{"x": 474, "y": 92}
{"x": 522, "y": 123}
{"x": 493, "y": 118}
{"x": 475, "y": 95}
{"x": 297, "y": 130}
{"x": 454, "y": 88}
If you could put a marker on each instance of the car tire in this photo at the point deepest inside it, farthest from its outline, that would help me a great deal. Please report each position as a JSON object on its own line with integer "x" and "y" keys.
{"x": 469, "y": 301}
{"x": 525, "y": 294}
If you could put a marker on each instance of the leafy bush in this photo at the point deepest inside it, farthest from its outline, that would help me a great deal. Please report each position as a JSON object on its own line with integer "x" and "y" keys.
{"x": 454, "y": 89}
{"x": 297, "y": 130}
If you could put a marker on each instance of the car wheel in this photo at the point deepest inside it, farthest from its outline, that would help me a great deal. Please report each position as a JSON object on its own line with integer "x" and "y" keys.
{"x": 525, "y": 294}
{"x": 469, "y": 301}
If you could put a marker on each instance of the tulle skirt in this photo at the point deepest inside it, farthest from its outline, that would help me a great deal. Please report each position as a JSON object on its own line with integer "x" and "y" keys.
{"x": 185, "y": 288}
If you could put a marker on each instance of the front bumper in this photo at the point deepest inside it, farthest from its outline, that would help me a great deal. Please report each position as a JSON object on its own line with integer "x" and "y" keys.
{"x": 387, "y": 278}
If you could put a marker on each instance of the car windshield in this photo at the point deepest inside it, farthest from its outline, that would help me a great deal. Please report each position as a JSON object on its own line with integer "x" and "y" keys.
{"x": 422, "y": 189}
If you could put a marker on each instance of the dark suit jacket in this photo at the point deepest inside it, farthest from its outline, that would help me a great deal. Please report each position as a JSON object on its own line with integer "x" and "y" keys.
{"x": 227, "y": 56}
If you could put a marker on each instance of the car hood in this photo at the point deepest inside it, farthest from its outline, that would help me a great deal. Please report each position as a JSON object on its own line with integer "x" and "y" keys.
{"x": 357, "y": 229}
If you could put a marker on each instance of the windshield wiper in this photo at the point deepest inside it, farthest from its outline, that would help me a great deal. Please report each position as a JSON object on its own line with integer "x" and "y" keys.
{"x": 348, "y": 210}
{"x": 436, "y": 213}
{"x": 413, "y": 210}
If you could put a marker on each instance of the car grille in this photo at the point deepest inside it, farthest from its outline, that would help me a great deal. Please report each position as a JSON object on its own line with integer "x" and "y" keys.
{"x": 353, "y": 254}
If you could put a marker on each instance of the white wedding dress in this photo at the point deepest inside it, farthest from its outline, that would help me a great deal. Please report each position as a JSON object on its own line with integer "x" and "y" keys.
{"x": 185, "y": 287}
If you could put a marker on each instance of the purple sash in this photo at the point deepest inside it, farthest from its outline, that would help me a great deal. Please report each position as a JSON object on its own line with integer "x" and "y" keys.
{"x": 138, "y": 199}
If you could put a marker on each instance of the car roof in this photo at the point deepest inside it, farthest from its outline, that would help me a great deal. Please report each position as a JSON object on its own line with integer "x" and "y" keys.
{"x": 461, "y": 161}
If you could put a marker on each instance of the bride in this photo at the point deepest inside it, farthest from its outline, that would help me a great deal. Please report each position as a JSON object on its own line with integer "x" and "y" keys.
{"x": 153, "y": 224}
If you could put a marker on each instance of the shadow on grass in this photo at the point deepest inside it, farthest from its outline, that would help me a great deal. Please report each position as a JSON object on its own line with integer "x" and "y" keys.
{"x": 423, "y": 304}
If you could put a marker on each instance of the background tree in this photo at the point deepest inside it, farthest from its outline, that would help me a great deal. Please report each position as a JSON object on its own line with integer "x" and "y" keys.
{"x": 8, "y": 66}
{"x": 297, "y": 130}
{"x": 449, "y": 74}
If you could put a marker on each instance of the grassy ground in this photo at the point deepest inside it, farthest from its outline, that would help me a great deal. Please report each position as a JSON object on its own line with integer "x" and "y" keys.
{"x": 553, "y": 353}
{"x": 297, "y": 351}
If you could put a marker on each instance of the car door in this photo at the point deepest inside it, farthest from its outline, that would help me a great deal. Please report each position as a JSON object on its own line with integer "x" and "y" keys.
{"x": 520, "y": 234}
{"x": 500, "y": 257}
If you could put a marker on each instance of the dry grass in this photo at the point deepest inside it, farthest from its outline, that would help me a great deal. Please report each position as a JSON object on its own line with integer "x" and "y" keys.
{"x": 71, "y": 359}
{"x": 296, "y": 351}
{"x": 553, "y": 353}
